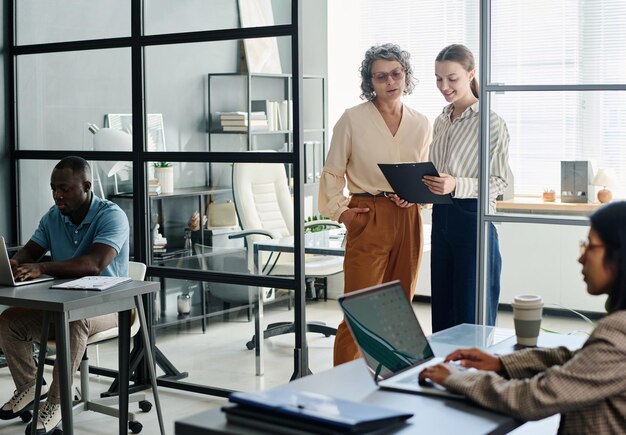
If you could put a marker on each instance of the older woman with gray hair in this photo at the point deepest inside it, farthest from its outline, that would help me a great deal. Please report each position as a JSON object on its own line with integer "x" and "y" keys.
{"x": 384, "y": 233}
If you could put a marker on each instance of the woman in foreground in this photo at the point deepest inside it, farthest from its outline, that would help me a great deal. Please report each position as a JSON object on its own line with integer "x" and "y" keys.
{"x": 588, "y": 386}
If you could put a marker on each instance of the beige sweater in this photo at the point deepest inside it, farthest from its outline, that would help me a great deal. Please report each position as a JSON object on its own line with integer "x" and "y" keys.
{"x": 361, "y": 140}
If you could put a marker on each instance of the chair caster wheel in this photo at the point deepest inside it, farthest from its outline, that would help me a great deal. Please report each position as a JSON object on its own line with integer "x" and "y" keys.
{"x": 250, "y": 345}
{"x": 327, "y": 335}
{"x": 57, "y": 431}
{"x": 145, "y": 406}
{"x": 26, "y": 416}
{"x": 135, "y": 426}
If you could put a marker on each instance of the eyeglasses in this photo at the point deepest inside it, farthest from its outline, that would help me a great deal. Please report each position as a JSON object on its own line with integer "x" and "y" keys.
{"x": 396, "y": 74}
{"x": 586, "y": 246}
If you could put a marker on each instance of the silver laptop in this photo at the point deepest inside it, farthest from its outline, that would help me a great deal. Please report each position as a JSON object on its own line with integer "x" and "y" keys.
{"x": 6, "y": 275}
{"x": 390, "y": 338}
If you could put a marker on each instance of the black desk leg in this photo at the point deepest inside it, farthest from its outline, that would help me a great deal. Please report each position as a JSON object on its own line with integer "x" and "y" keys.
{"x": 123, "y": 358}
{"x": 65, "y": 375}
{"x": 148, "y": 350}
{"x": 43, "y": 345}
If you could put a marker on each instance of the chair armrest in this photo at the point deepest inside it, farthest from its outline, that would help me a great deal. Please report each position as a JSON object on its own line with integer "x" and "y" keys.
{"x": 324, "y": 222}
{"x": 246, "y": 233}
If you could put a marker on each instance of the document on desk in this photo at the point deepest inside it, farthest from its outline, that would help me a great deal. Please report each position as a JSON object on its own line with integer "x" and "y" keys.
{"x": 302, "y": 409}
{"x": 406, "y": 181}
{"x": 97, "y": 283}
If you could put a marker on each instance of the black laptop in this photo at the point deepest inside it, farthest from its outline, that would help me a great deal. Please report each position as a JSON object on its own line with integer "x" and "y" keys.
{"x": 391, "y": 340}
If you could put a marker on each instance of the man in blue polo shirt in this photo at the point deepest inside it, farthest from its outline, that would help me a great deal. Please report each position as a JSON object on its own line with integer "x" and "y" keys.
{"x": 85, "y": 235}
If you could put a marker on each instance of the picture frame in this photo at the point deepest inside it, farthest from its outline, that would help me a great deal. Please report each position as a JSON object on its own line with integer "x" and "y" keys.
{"x": 155, "y": 132}
{"x": 262, "y": 55}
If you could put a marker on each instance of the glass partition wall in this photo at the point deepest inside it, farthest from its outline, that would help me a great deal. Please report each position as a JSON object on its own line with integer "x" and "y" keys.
{"x": 565, "y": 120}
{"x": 169, "y": 105}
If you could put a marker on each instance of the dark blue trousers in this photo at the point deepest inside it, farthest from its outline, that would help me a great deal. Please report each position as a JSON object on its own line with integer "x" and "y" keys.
{"x": 453, "y": 265}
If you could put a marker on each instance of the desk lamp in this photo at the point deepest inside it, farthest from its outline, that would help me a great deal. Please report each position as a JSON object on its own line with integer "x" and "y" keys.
{"x": 605, "y": 179}
{"x": 106, "y": 139}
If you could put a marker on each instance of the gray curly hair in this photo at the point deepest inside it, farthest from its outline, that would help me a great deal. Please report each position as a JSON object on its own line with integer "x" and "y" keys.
{"x": 385, "y": 52}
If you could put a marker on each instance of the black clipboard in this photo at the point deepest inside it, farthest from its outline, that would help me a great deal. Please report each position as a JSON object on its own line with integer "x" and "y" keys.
{"x": 406, "y": 181}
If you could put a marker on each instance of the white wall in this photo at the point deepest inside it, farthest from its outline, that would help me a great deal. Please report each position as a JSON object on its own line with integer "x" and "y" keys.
{"x": 537, "y": 259}
{"x": 344, "y": 58}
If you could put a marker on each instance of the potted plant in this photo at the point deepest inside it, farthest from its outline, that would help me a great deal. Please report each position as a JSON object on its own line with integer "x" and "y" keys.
{"x": 164, "y": 172}
{"x": 549, "y": 195}
{"x": 311, "y": 227}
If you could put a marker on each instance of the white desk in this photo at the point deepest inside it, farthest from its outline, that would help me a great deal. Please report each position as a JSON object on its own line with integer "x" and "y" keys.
{"x": 65, "y": 306}
{"x": 432, "y": 415}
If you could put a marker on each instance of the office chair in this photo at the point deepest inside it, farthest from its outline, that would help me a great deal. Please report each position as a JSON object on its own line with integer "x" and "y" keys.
{"x": 265, "y": 209}
{"x": 136, "y": 271}
{"x": 225, "y": 260}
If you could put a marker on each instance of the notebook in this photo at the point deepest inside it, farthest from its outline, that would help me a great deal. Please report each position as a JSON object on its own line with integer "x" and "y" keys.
{"x": 390, "y": 338}
{"x": 6, "y": 275}
{"x": 310, "y": 412}
{"x": 98, "y": 283}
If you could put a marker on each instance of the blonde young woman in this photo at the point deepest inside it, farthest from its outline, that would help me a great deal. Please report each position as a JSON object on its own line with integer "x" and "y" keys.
{"x": 454, "y": 152}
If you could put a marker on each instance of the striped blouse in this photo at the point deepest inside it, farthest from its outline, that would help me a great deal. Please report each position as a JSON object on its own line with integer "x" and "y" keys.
{"x": 454, "y": 151}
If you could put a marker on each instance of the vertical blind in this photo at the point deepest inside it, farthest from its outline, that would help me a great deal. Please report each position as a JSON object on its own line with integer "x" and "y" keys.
{"x": 534, "y": 42}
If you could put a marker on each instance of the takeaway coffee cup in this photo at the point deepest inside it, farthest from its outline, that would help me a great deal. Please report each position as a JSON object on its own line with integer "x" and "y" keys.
{"x": 527, "y": 312}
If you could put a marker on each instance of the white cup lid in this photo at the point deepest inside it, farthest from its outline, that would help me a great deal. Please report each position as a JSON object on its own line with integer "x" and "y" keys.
{"x": 530, "y": 301}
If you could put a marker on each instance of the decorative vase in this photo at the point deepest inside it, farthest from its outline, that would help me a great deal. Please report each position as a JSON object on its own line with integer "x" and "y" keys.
{"x": 605, "y": 196}
{"x": 166, "y": 178}
{"x": 549, "y": 196}
{"x": 184, "y": 304}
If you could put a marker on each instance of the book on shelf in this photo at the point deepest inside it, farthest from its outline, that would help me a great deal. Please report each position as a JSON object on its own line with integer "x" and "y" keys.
{"x": 244, "y": 122}
{"x": 244, "y": 128}
{"x": 154, "y": 187}
{"x": 285, "y": 115}
{"x": 270, "y": 108}
{"x": 279, "y": 113}
{"x": 241, "y": 115}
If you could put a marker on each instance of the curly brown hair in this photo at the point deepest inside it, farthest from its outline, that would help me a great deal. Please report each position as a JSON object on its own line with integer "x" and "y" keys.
{"x": 386, "y": 51}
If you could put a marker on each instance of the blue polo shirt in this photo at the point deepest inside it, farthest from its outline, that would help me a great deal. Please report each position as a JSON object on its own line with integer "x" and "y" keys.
{"x": 104, "y": 223}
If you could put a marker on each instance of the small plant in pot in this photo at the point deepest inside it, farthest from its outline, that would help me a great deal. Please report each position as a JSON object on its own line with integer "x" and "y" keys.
{"x": 549, "y": 195}
{"x": 164, "y": 172}
{"x": 313, "y": 228}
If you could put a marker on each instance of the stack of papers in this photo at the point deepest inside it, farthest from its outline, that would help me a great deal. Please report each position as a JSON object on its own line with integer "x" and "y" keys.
{"x": 93, "y": 283}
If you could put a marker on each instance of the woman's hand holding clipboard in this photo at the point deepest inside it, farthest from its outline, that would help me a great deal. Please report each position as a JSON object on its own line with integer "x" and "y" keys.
{"x": 406, "y": 181}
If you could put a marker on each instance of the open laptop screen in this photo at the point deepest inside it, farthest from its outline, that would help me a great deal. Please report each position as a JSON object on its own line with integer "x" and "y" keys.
{"x": 385, "y": 328}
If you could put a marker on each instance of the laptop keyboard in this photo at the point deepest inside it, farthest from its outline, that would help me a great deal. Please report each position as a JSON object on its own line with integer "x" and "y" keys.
{"x": 413, "y": 379}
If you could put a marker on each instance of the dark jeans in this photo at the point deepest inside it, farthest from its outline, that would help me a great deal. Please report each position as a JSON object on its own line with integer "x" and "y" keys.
{"x": 453, "y": 265}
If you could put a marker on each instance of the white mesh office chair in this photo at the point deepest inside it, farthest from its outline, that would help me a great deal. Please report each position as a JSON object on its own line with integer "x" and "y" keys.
{"x": 265, "y": 209}
{"x": 136, "y": 271}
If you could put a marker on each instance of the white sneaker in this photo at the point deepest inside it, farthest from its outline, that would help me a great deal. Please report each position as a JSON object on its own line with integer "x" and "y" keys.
{"x": 49, "y": 418}
{"x": 20, "y": 402}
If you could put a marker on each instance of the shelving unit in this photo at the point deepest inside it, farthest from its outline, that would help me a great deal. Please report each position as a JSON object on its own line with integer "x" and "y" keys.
{"x": 159, "y": 210}
{"x": 268, "y": 87}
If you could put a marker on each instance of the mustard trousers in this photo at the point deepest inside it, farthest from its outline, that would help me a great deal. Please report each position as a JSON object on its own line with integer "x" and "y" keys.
{"x": 382, "y": 245}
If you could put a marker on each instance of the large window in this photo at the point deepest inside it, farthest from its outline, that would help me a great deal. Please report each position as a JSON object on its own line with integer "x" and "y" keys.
{"x": 562, "y": 42}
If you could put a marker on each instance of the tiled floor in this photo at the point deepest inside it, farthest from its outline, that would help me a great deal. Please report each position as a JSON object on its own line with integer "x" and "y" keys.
{"x": 219, "y": 358}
